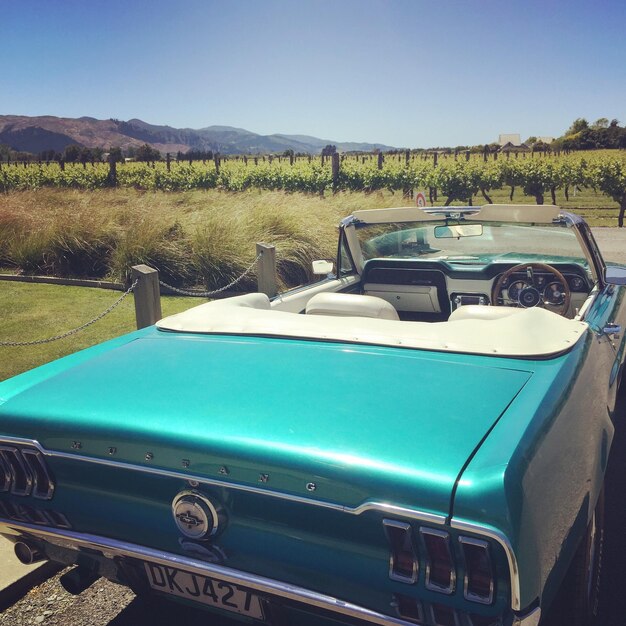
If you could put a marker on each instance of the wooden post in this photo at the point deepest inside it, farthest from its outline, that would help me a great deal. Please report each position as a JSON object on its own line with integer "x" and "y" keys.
{"x": 435, "y": 155}
{"x": 335, "y": 170}
{"x": 216, "y": 160}
{"x": 381, "y": 160}
{"x": 266, "y": 269}
{"x": 407, "y": 157}
{"x": 168, "y": 161}
{"x": 147, "y": 295}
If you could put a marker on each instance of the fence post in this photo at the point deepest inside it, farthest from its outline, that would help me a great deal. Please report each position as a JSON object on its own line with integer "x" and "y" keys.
{"x": 335, "y": 170}
{"x": 381, "y": 160}
{"x": 147, "y": 295}
{"x": 266, "y": 269}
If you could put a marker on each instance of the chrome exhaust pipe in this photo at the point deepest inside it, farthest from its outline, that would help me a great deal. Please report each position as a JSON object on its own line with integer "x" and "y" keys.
{"x": 28, "y": 554}
{"x": 77, "y": 580}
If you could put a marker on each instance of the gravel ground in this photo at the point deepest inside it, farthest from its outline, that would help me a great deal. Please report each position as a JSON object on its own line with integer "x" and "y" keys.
{"x": 612, "y": 243}
{"x": 103, "y": 604}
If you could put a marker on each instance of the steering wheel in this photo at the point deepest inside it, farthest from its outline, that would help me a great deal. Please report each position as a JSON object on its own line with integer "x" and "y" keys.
{"x": 529, "y": 291}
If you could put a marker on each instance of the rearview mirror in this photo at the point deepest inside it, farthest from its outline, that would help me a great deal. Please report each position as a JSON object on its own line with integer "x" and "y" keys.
{"x": 615, "y": 275}
{"x": 323, "y": 267}
{"x": 454, "y": 231}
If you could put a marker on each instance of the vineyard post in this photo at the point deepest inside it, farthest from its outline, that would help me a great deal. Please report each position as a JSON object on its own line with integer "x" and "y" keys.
{"x": 381, "y": 160}
{"x": 168, "y": 162}
{"x": 112, "y": 175}
{"x": 245, "y": 160}
{"x": 508, "y": 155}
{"x": 216, "y": 160}
{"x": 61, "y": 164}
{"x": 495, "y": 155}
{"x": 256, "y": 160}
{"x": 266, "y": 269}
{"x": 435, "y": 158}
{"x": 335, "y": 170}
{"x": 407, "y": 157}
{"x": 290, "y": 159}
{"x": 485, "y": 153}
{"x": 467, "y": 155}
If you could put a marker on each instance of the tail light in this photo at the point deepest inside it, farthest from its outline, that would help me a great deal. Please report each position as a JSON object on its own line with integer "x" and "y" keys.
{"x": 5, "y": 474}
{"x": 43, "y": 486}
{"x": 479, "y": 577}
{"x": 440, "y": 569}
{"x": 21, "y": 479}
{"x": 24, "y": 472}
{"x": 403, "y": 564}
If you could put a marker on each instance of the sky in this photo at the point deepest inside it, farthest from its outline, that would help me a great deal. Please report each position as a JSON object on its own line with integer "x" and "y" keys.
{"x": 406, "y": 73}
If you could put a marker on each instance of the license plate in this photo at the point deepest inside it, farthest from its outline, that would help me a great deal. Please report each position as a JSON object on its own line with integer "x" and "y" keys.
{"x": 203, "y": 589}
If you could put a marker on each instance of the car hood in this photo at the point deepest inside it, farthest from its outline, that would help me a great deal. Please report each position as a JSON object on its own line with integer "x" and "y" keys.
{"x": 361, "y": 422}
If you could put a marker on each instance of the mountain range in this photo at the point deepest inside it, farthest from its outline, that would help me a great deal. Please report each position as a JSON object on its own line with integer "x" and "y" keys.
{"x": 36, "y": 134}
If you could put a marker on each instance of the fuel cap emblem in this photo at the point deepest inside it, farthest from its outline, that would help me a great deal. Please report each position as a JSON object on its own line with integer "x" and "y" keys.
{"x": 195, "y": 515}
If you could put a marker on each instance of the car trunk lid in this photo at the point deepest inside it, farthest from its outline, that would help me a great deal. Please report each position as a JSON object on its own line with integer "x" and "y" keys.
{"x": 337, "y": 422}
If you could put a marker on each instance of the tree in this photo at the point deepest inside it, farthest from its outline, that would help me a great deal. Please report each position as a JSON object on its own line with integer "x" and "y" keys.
{"x": 147, "y": 153}
{"x": 601, "y": 122}
{"x": 71, "y": 154}
{"x": 577, "y": 126}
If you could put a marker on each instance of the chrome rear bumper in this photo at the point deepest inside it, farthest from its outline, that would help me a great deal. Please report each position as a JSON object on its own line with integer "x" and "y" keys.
{"x": 114, "y": 549}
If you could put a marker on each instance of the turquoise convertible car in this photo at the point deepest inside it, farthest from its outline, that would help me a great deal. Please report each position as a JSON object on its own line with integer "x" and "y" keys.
{"x": 420, "y": 437}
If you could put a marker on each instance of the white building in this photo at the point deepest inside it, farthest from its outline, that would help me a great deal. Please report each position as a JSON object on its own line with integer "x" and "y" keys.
{"x": 512, "y": 138}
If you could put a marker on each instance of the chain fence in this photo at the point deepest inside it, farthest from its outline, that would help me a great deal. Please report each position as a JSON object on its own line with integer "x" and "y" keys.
{"x": 208, "y": 294}
{"x": 69, "y": 333}
{"x": 184, "y": 292}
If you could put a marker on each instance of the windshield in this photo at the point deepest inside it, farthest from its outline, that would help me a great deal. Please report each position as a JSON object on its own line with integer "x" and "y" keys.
{"x": 470, "y": 242}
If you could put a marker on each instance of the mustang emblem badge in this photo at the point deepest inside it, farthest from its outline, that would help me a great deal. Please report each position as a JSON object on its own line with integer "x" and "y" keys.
{"x": 195, "y": 515}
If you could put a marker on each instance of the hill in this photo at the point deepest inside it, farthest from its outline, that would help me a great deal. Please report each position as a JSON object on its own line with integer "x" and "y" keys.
{"x": 36, "y": 134}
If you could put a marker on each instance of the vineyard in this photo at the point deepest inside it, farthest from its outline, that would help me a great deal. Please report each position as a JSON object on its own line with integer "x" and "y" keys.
{"x": 448, "y": 178}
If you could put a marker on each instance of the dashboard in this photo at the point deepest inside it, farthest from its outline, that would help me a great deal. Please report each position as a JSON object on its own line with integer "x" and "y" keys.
{"x": 431, "y": 290}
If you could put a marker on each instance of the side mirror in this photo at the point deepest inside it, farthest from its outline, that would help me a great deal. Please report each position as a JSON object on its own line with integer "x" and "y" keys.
{"x": 615, "y": 275}
{"x": 323, "y": 267}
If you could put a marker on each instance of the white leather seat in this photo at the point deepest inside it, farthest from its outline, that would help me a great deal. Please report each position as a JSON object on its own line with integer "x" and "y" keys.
{"x": 350, "y": 305}
{"x": 248, "y": 300}
{"x": 481, "y": 312}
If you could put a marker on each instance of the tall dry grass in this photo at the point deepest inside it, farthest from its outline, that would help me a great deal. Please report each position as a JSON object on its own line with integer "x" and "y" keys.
{"x": 194, "y": 238}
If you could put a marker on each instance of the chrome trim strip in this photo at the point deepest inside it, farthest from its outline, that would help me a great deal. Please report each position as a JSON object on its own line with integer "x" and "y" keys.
{"x": 393, "y": 575}
{"x": 503, "y": 540}
{"x": 380, "y": 507}
{"x": 446, "y": 537}
{"x": 467, "y": 594}
{"x": 111, "y": 548}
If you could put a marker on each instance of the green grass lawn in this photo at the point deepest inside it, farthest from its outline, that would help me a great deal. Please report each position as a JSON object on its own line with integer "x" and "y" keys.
{"x": 29, "y": 312}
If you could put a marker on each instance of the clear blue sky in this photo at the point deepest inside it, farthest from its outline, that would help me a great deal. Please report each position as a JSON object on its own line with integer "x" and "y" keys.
{"x": 411, "y": 73}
